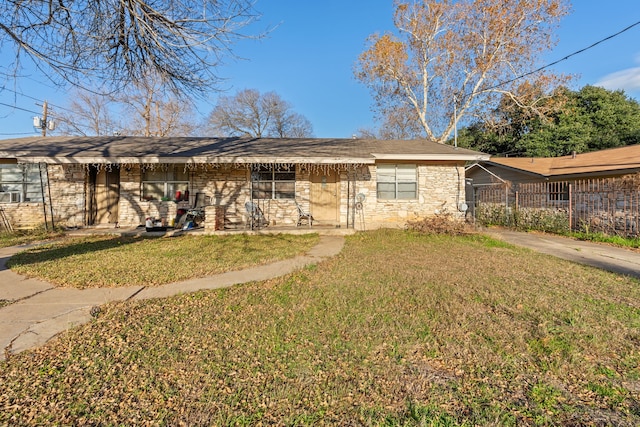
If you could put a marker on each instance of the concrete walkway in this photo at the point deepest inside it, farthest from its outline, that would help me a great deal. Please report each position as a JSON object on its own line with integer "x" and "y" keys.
{"x": 39, "y": 311}
{"x": 606, "y": 257}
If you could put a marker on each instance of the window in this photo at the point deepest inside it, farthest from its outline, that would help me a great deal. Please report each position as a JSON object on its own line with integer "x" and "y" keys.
{"x": 20, "y": 183}
{"x": 171, "y": 183}
{"x": 274, "y": 182}
{"x": 397, "y": 182}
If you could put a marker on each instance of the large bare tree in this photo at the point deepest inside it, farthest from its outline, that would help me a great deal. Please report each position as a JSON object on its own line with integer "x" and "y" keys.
{"x": 397, "y": 123}
{"x": 153, "y": 110}
{"x": 121, "y": 41}
{"x": 448, "y": 59}
{"x": 250, "y": 113}
{"x": 148, "y": 108}
{"x": 88, "y": 114}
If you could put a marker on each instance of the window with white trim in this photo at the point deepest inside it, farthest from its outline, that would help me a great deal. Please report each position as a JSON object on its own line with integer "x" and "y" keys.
{"x": 20, "y": 183}
{"x": 397, "y": 181}
{"x": 273, "y": 182}
{"x": 165, "y": 183}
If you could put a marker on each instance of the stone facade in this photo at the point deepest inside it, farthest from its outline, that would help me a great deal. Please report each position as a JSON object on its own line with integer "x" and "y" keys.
{"x": 440, "y": 190}
{"x": 226, "y": 188}
{"x": 67, "y": 193}
{"x": 23, "y": 216}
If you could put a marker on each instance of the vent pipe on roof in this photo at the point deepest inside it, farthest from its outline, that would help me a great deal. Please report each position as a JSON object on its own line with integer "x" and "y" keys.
{"x": 573, "y": 154}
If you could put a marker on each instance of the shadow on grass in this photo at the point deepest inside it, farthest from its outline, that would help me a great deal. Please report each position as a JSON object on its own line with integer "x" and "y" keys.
{"x": 64, "y": 250}
{"x": 3, "y": 263}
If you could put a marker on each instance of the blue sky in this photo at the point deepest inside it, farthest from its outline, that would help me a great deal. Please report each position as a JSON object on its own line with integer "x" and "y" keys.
{"x": 308, "y": 60}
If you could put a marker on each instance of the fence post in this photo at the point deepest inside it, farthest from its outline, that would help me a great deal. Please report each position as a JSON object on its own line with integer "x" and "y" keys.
{"x": 515, "y": 209}
{"x": 570, "y": 207}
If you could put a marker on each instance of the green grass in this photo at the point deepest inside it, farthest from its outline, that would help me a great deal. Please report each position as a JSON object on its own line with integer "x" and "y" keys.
{"x": 109, "y": 261}
{"x": 399, "y": 329}
{"x": 627, "y": 242}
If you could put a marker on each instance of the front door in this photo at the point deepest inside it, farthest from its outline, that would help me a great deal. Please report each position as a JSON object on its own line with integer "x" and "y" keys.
{"x": 324, "y": 197}
{"x": 104, "y": 195}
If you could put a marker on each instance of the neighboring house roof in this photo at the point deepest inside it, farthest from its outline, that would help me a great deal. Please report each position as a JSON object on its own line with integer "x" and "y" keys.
{"x": 612, "y": 161}
{"x": 127, "y": 149}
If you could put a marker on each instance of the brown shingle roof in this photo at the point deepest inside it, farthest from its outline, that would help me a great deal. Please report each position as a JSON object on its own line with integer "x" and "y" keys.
{"x": 611, "y": 160}
{"x": 225, "y": 150}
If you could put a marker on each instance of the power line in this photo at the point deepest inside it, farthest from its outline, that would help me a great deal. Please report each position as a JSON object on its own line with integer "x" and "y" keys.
{"x": 17, "y": 133}
{"x": 34, "y": 99}
{"x": 19, "y": 108}
{"x": 562, "y": 59}
{"x": 20, "y": 93}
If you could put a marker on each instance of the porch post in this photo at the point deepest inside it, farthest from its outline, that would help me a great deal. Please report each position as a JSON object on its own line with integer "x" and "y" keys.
{"x": 44, "y": 205}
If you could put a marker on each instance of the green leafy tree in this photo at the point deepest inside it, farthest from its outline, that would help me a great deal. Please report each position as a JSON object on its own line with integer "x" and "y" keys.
{"x": 476, "y": 137}
{"x": 590, "y": 119}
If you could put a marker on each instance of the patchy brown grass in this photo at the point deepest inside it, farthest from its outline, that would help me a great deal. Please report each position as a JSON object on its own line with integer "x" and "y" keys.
{"x": 401, "y": 328}
{"x": 110, "y": 261}
{"x": 21, "y": 237}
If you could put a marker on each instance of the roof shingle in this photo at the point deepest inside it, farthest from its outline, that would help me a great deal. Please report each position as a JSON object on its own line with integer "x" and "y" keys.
{"x": 225, "y": 150}
{"x": 611, "y": 160}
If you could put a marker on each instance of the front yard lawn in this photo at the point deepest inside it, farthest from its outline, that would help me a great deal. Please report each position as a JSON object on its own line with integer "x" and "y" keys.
{"x": 21, "y": 237}
{"x": 109, "y": 261}
{"x": 399, "y": 329}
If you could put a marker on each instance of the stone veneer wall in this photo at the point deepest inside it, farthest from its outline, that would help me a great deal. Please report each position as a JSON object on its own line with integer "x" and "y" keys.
{"x": 440, "y": 189}
{"x": 25, "y": 215}
{"x": 226, "y": 187}
{"x": 68, "y": 194}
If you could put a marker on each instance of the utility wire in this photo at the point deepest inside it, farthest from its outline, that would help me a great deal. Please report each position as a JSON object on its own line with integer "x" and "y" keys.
{"x": 17, "y": 133}
{"x": 562, "y": 59}
{"x": 18, "y": 108}
{"x": 19, "y": 93}
{"x": 35, "y": 99}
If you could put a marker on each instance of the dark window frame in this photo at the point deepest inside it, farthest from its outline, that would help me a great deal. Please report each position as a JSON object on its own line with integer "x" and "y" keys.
{"x": 273, "y": 182}
{"x": 170, "y": 185}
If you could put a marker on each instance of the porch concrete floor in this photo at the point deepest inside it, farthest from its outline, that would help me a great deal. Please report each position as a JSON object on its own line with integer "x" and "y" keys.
{"x": 325, "y": 230}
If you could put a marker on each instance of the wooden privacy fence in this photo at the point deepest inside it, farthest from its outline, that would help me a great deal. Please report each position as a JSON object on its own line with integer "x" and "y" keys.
{"x": 605, "y": 205}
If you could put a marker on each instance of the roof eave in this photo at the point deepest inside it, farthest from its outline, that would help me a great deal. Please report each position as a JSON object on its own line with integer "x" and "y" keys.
{"x": 517, "y": 169}
{"x": 422, "y": 157}
{"x": 593, "y": 173}
{"x": 195, "y": 160}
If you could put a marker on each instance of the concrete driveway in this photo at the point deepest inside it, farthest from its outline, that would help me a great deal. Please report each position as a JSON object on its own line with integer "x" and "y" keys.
{"x": 606, "y": 257}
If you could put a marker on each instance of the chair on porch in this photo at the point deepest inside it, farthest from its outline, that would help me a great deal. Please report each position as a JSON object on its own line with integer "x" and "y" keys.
{"x": 303, "y": 216}
{"x": 255, "y": 216}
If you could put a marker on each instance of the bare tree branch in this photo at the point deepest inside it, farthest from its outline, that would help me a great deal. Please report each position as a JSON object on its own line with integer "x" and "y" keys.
{"x": 121, "y": 41}
{"x": 249, "y": 113}
{"x": 88, "y": 114}
{"x": 146, "y": 109}
{"x": 447, "y": 59}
